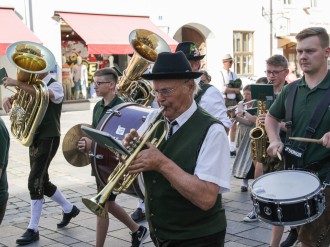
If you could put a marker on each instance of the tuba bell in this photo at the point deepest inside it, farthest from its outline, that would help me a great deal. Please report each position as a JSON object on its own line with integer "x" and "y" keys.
{"x": 119, "y": 180}
{"x": 146, "y": 45}
{"x": 30, "y": 60}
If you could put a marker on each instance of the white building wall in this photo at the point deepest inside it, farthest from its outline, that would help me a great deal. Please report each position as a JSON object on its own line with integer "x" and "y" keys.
{"x": 215, "y": 19}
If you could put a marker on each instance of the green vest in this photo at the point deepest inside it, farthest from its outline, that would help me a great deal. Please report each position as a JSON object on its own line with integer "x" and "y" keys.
{"x": 50, "y": 124}
{"x": 169, "y": 214}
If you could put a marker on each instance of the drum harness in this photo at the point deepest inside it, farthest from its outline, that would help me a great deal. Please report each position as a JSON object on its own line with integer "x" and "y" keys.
{"x": 295, "y": 157}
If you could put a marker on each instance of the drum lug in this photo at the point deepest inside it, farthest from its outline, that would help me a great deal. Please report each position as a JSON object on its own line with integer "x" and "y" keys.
{"x": 97, "y": 156}
{"x": 279, "y": 213}
{"x": 256, "y": 206}
{"x": 307, "y": 209}
{"x": 116, "y": 113}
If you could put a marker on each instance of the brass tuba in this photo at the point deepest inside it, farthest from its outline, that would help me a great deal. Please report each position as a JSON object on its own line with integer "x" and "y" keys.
{"x": 146, "y": 45}
{"x": 119, "y": 180}
{"x": 259, "y": 139}
{"x": 30, "y": 59}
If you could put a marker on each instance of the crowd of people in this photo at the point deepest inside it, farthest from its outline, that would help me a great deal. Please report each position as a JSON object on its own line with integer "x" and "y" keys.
{"x": 192, "y": 175}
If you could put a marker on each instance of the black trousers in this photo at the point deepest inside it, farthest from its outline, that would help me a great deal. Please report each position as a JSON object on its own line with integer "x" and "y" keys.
{"x": 214, "y": 240}
{"x": 42, "y": 151}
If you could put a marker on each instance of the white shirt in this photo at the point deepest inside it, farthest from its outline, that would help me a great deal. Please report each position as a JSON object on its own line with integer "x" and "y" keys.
{"x": 213, "y": 162}
{"x": 212, "y": 101}
{"x": 225, "y": 77}
{"x": 56, "y": 89}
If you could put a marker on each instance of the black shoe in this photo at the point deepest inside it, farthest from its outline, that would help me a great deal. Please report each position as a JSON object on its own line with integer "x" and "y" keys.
{"x": 67, "y": 217}
{"x": 244, "y": 189}
{"x": 139, "y": 236}
{"x": 138, "y": 215}
{"x": 232, "y": 153}
{"x": 291, "y": 240}
{"x": 28, "y": 237}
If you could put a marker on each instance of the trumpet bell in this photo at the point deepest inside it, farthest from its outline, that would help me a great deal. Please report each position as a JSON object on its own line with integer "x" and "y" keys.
{"x": 95, "y": 207}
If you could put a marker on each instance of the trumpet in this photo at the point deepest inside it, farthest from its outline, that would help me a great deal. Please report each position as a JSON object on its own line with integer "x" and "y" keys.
{"x": 231, "y": 108}
{"x": 119, "y": 180}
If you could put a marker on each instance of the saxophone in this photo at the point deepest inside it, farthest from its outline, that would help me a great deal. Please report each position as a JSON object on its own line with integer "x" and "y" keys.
{"x": 259, "y": 140}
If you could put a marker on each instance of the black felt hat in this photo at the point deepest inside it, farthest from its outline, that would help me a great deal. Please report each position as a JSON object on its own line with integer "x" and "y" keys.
{"x": 190, "y": 50}
{"x": 171, "y": 66}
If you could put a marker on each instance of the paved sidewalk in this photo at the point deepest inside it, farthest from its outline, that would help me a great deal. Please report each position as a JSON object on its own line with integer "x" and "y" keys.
{"x": 76, "y": 183}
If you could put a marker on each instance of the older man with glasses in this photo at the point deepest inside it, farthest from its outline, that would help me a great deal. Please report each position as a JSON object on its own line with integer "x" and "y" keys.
{"x": 185, "y": 176}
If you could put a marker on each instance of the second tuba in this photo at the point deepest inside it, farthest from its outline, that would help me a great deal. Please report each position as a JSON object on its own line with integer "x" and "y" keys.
{"x": 30, "y": 60}
{"x": 146, "y": 45}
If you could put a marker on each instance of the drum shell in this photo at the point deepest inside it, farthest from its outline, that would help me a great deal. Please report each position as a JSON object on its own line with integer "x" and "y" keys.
{"x": 118, "y": 121}
{"x": 291, "y": 211}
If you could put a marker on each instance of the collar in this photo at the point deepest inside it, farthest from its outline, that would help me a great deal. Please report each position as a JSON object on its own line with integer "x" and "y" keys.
{"x": 324, "y": 84}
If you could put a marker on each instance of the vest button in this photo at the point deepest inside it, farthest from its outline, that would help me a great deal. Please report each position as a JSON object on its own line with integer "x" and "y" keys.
{"x": 154, "y": 181}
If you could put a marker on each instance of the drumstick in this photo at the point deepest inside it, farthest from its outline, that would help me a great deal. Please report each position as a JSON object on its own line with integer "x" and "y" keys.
{"x": 302, "y": 139}
{"x": 279, "y": 155}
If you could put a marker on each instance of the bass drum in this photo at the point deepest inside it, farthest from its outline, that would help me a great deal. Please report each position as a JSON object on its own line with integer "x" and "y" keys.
{"x": 118, "y": 121}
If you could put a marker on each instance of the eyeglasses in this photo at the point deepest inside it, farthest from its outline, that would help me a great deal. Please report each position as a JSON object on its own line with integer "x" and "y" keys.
{"x": 98, "y": 83}
{"x": 164, "y": 92}
{"x": 274, "y": 72}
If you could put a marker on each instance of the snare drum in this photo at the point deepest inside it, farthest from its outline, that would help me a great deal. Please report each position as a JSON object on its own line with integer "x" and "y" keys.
{"x": 118, "y": 121}
{"x": 289, "y": 197}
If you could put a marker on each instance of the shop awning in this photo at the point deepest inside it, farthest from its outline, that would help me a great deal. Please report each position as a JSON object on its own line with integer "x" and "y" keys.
{"x": 12, "y": 30}
{"x": 108, "y": 34}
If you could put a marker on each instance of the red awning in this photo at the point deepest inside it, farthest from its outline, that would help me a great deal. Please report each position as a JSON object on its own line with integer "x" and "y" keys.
{"x": 108, "y": 34}
{"x": 12, "y": 30}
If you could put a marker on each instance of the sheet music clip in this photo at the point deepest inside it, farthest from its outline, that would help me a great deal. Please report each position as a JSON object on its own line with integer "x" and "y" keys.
{"x": 106, "y": 140}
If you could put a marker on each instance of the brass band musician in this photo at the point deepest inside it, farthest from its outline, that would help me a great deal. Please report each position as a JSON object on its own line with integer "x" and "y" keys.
{"x": 188, "y": 173}
{"x": 41, "y": 152}
{"x": 312, "y": 52}
{"x": 105, "y": 81}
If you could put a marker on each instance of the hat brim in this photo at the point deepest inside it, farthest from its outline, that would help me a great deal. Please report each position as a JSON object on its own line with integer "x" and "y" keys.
{"x": 196, "y": 58}
{"x": 167, "y": 75}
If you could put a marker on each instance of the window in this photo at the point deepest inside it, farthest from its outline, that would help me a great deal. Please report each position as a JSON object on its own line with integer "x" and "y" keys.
{"x": 243, "y": 52}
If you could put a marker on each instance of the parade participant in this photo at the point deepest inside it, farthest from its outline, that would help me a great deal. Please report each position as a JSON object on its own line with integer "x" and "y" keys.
{"x": 42, "y": 151}
{"x": 313, "y": 53}
{"x": 4, "y": 150}
{"x": 208, "y": 97}
{"x": 206, "y": 78}
{"x": 243, "y": 167}
{"x": 185, "y": 177}
{"x": 105, "y": 81}
{"x": 227, "y": 76}
{"x": 276, "y": 71}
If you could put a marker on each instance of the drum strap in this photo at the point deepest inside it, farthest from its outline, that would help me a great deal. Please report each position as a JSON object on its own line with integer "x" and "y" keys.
{"x": 314, "y": 122}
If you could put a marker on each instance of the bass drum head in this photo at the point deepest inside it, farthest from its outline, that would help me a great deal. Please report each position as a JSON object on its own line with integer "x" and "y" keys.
{"x": 118, "y": 121}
